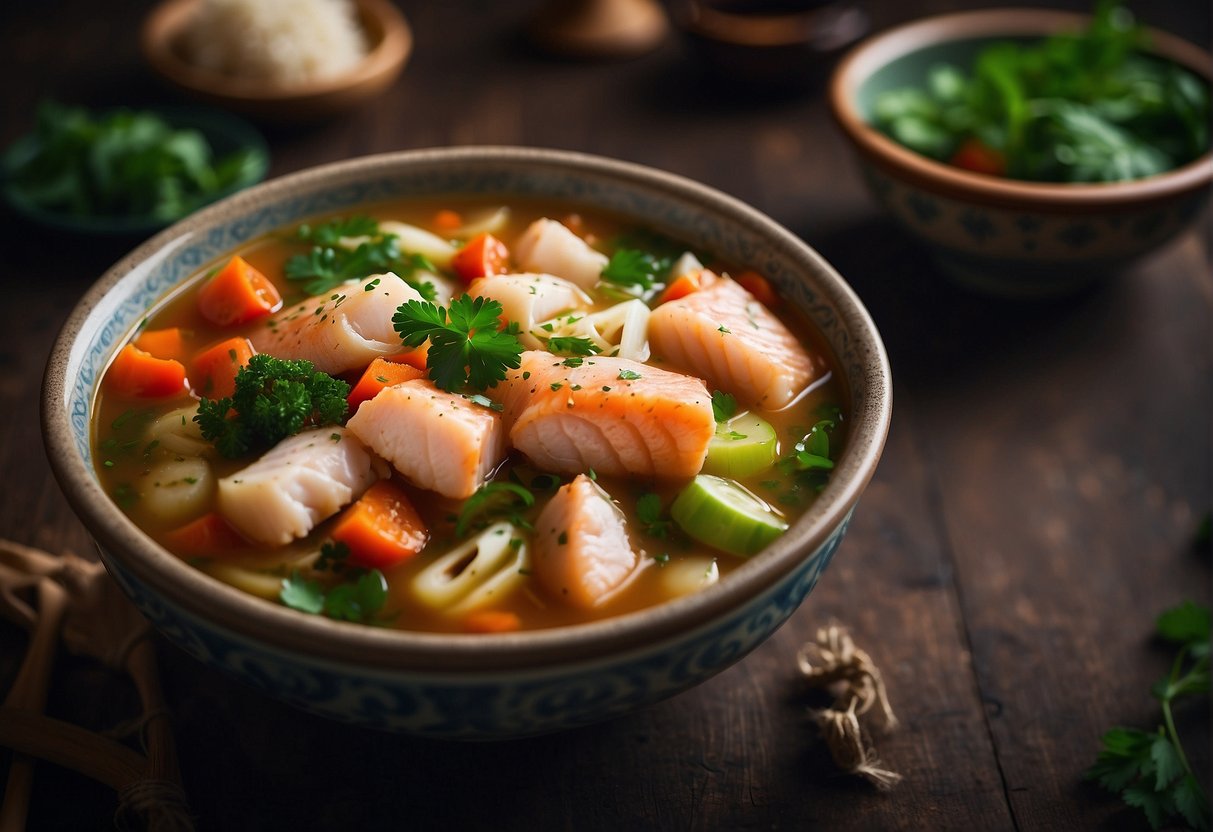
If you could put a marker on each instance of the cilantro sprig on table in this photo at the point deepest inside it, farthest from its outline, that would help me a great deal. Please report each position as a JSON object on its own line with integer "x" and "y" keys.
{"x": 468, "y": 348}
{"x": 274, "y": 399}
{"x": 328, "y": 264}
{"x": 1074, "y": 107}
{"x": 1150, "y": 770}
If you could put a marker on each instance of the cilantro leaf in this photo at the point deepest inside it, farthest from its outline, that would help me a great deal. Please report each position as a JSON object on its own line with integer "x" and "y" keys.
{"x": 467, "y": 346}
{"x": 1191, "y": 802}
{"x": 634, "y": 267}
{"x": 628, "y": 375}
{"x": 1186, "y": 624}
{"x": 328, "y": 264}
{"x": 298, "y": 593}
{"x": 724, "y": 406}
{"x": 329, "y": 233}
{"x": 492, "y": 501}
{"x": 648, "y": 512}
{"x": 274, "y": 399}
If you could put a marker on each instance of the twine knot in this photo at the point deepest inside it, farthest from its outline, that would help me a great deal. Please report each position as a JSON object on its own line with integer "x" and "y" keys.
{"x": 833, "y": 661}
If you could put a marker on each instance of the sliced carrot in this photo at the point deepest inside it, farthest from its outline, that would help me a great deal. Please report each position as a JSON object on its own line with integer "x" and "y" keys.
{"x": 492, "y": 621}
{"x": 208, "y": 535}
{"x": 416, "y": 357}
{"x": 483, "y": 255}
{"x": 237, "y": 294}
{"x": 979, "y": 157}
{"x": 448, "y": 220}
{"x": 215, "y": 367}
{"x": 138, "y": 373}
{"x": 162, "y": 343}
{"x": 687, "y": 284}
{"x": 759, "y": 287}
{"x": 382, "y": 529}
{"x": 379, "y": 374}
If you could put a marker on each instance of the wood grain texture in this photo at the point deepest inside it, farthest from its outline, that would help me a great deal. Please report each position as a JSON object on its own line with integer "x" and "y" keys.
{"x": 1030, "y": 517}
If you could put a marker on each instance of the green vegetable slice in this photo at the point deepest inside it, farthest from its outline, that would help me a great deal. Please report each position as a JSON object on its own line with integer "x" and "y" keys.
{"x": 742, "y": 446}
{"x": 722, "y": 514}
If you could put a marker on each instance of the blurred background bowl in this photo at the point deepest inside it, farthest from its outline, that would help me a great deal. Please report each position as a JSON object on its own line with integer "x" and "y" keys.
{"x": 458, "y": 685}
{"x": 997, "y": 235}
{"x": 771, "y": 46}
{"x": 389, "y": 40}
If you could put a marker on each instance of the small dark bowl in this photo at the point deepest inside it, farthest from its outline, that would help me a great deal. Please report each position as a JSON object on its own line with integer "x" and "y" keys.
{"x": 774, "y": 45}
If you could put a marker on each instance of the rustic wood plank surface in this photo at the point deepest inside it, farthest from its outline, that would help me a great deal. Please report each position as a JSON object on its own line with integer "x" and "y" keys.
{"x": 1032, "y": 514}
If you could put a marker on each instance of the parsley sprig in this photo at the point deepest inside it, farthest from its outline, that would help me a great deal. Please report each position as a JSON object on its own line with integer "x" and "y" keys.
{"x": 274, "y": 399}
{"x": 467, "y": 346}
{"x": 360, "y": 598}
{"x": 328, "y": 264}
{"x": 1150, "y": 770}
{"x": 631, "y": 267}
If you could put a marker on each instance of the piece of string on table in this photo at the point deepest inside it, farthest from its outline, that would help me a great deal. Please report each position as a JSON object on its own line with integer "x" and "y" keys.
{"x": 832, "y": 661}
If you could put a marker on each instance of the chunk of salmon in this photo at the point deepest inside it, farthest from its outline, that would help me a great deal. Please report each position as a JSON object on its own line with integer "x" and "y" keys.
{"x": 303, "y": 480}
{"x": 581, "y": 546}
{"x": 547, "y": 246}
{"x": 440, "y": 441}
{"x": 529, "y": 299}
{"x": 614, "y": 415}
{"x": 342, "y": 330}
{"x": 725, "y": 336}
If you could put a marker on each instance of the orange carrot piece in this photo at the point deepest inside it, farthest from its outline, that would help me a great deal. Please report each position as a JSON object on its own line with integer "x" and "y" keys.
{"x": 415, "y": 357}
{"x": 382, "y": 529}
{"x": 687, "y": 284}
{"x": 237, "y": 294}
{"x": 379, "y": 374}
{"x": 492, "y": 621}
{"x": 483, "y": 255}
{"x": 138, "y": 373}
{"x": 979, "y": 157}
{"x": 759, "y": 287}
{"x": 215, "y": 367}
{"x": 162, "y": 343}
{"x": 448, "y": 220}
{"x": 208, "y": 535}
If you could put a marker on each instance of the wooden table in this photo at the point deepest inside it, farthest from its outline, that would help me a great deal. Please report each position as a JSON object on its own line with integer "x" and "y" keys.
{"x": 1033, "y": 512}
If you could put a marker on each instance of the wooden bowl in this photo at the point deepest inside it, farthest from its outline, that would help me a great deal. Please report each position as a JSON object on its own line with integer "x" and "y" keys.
{"x": 1003, "y": 236}
{"x": 390, "y": 42}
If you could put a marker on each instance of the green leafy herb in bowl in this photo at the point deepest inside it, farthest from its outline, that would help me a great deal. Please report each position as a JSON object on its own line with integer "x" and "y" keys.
{"x": 1084, "y": 106}
{"x": 127, "y": 171}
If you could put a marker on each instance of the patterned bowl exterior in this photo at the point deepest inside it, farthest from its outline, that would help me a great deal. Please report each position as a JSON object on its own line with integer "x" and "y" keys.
{"x": 1014, "y": 252}
{"x": 568, "y": 685}
{"x": 491, "y": 705}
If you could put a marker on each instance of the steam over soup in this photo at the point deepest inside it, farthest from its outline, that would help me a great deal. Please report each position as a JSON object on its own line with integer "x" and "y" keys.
{"x": 469, "y": 417}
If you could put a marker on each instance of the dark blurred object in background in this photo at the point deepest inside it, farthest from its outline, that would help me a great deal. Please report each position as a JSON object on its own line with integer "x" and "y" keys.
{"x": 771, "y": 46}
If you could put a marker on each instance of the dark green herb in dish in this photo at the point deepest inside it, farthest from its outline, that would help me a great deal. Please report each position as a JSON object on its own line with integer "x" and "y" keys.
{"x": 124, "y": 163}
{"x": 1077, "y": 107}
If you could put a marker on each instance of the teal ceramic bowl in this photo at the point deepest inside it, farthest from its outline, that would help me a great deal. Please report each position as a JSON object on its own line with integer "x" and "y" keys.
{"x": 456, "y": 685}
{"x": 1002, "y": 236}
{"x": 224, "y": 133}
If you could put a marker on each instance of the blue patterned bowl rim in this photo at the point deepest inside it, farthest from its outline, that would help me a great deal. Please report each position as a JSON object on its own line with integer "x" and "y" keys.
{"x": 670, "y": 203}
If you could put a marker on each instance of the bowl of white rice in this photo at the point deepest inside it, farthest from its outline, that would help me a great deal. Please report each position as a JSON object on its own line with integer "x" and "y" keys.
{"x": 290, "y": 60}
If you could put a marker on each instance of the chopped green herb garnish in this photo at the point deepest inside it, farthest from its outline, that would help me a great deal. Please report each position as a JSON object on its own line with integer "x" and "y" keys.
{"x": 724, "y": 406}
{"x": 485, "y": 401}
{"x": 492, "y": 501}
{"x": 628, "y": 375}
{"x": 632, "y": 267}
{"x": 648, "y": 512}
{"x": 333, "y": 555}
{"x": 573, "y": 362}
{"x": 467, "y": 349}
{"x": 569, "y": 345}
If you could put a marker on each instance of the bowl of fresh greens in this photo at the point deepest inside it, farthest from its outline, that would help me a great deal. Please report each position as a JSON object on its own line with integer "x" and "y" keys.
{"x": 127, "y": 172}
{"x": 1033, "y": 151}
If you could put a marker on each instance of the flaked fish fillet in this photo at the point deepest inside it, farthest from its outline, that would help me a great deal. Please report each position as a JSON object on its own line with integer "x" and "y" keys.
{"x": 614, "y": 415}
{"x": 529, "y": 299}
{"x": 440, "y": 441}
{"x": 547, "y": 246}
{"x": 581, "y": 547}
{"x": 302, "y": 481}
{"x": 340, "y": 331}
{"x": 724, "y": 335}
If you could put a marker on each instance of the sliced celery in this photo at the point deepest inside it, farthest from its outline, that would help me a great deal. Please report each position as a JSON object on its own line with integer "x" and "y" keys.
{"x": 724, "y": 515}
{"x": 742, "y": 446}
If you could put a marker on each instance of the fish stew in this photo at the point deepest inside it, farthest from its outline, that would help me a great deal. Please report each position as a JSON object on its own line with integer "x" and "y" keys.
{"x": 469, "y": 418}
